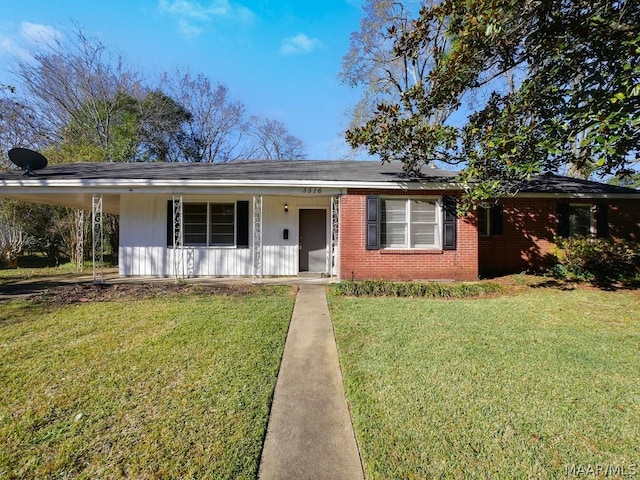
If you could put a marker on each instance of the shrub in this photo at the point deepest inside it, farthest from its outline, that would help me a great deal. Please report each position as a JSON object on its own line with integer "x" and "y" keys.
{"x": 597, "y": 260}
{"x": 382, "y": 288}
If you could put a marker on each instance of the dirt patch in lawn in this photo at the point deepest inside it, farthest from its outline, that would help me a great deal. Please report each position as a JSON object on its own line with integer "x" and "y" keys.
{"x": 65, "y": 294}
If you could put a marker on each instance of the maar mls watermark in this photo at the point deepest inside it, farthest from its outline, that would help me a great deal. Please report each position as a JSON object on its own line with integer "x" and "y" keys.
{"x": 602, "y": 470}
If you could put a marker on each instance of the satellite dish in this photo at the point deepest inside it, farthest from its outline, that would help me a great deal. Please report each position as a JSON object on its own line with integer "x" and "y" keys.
{"x": 27, "y": 160}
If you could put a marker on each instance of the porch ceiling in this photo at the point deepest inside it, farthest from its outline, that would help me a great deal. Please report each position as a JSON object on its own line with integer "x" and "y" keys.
{"x": 82, "y": 201}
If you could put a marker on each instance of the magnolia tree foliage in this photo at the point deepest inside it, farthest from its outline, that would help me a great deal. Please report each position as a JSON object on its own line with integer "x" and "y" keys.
{"x": 387, "y": 120}
{"x": 543, "y": 84}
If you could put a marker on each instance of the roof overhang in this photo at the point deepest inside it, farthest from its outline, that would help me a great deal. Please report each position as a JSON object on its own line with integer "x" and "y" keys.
{"x": 78, "y": 192}
{"x": 78, "y": 200}
{"x": 75, "y": 193}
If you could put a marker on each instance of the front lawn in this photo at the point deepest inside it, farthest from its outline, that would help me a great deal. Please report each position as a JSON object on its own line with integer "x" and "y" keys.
{"x": 172, "y": 387}
{"x": 538, "y": 384}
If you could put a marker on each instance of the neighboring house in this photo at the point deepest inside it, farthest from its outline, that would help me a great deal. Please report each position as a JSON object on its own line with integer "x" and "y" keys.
{"x": 348, "y": 219}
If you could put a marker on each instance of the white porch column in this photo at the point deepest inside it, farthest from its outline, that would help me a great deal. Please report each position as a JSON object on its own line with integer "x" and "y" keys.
{"x": 256, "y": 244}
{"x": 334, "y": 250}
{"x": 79, "y": 220}
{"x": 178, "y": 238}
{"x": 97, "y": 234}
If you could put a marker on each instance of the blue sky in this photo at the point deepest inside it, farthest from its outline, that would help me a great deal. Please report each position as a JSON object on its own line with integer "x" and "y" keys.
{"x": 281, "y": 58}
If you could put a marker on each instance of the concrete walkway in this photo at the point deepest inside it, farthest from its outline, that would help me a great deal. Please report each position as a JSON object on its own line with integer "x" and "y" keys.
{"x": 310, "y": 435}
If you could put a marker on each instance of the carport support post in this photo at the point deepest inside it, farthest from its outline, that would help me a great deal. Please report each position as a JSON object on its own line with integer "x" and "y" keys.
{"x": 256, "y": 245}
{"x": 97, "y": 234}
{"x": 178, "y": 238}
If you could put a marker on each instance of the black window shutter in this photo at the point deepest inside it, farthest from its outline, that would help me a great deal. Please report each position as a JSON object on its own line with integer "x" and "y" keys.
{"x": 562, "y": 214}
{"x": 449, "y": 223}
{"x": 372, "y": 223}
{"x": 170, "y": 223}
{"x": 242, "y": 219}
{"x": 495, "y": 217}
{"x": 602, "y": 220}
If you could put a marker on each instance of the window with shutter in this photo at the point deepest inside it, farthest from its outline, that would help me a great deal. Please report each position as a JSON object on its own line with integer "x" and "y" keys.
{"x": 410, "y": 223}
{"x": 583, "y": 219}
{"x": 212, "y": 224}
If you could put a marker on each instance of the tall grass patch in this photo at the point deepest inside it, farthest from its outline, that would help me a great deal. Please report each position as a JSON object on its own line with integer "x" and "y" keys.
{"x": 158, "y": 388}
{"x": 526, "y": 386}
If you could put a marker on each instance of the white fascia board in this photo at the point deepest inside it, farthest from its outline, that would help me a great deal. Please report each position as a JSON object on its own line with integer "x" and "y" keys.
{"x": 167, "y": 190}
{"x": 138, "y": 185}
{"x": 583, "y": 196}
{"x": 279, "y": 187}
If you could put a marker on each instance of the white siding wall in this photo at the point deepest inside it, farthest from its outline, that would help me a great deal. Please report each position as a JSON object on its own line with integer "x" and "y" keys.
{"x": 143, "y": 235}
{"x": 143, "y": 238}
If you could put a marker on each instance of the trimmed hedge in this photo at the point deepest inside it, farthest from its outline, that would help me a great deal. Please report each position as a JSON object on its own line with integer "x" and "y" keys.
{"x": 382, "y": 288}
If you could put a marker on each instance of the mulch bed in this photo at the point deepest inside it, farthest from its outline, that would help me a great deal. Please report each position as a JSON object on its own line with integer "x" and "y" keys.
{"x": 81, "y": 293}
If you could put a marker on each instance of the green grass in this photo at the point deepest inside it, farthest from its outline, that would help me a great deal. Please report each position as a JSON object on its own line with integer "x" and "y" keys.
{"x": 156, "y": 388}
{"x": 520, "y": 386}
{"x": 10, "y": 275}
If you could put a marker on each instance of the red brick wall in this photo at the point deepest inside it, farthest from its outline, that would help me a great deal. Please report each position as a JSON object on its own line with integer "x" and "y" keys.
{"x": 529, "y": 227}
{"x": 358, "y": 263}
{"x": 526, "y": 243}
{"x": 624, "y": 219}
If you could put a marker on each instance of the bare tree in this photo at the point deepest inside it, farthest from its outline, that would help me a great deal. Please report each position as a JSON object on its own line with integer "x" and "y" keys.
{"x": 19, "y": 126}
{"x": 13, "y": 239}
{"x": 215, "y": 130}
{"x": 76, "y": 83}
{"x": 372, "y": 61}
{"x": 387, "y": 72}
{"x": 270, "y": 140}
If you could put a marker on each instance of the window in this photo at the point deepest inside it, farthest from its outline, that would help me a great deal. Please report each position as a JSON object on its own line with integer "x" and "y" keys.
{"x": 209, "y": 224}
{"x": 581, "y": 220}
{"x": 586, "y": 220}
{"x": 410, "y": 223}
{"x": 490, "y": 221}
{"x": 194, "y": 223}
{"x": 221, "y": 224}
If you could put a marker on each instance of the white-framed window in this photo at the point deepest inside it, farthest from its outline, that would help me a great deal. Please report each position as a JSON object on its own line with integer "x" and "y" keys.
{"x": 209, "y": 224}
{"x": 582, "y": 220}
{"x": 410, "y": 223}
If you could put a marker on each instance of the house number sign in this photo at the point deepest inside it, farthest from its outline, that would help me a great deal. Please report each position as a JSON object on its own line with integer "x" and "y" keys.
{"x": 311, "y": 190}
